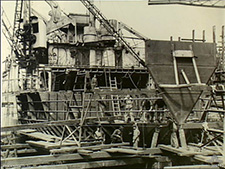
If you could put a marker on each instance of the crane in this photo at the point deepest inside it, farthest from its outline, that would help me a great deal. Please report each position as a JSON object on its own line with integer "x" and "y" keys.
{"x": 131, "y": 30}
{"x": 9, "y": 33}
{"x": 55, "y": 13}
{"x": 202, "y": 3}
{"x": 21, "y": 36}
{"x": 17, "y": 16}
{"x": 56, "y": 16}
{"x": 105, "y": 22}
{"x": 7, "y": 28}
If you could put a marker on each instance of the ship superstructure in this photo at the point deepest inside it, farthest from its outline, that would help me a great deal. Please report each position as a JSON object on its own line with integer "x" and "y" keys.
{"x": 82, "y": 93}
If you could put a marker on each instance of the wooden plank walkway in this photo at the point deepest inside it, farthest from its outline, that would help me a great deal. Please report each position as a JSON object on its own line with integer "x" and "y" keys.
{"x": 94, "y": 148}
{"x": 193, "y": 167}
{"x": 209, "y": 159}
{"x": 49, "y": 145}
{"x": 123, "y": 150}
{"x": 190, "y": 151}
{"x": 48, "y": 159}
{"x": 208, "y": 155}
{"x": 93, "y": 164}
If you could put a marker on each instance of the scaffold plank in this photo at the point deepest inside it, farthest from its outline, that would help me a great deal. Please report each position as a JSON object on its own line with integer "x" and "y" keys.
{"x": 209, "y": 159}
{"x": 94, "y": 147}
{"x": 45, "y": 159}
{"x": 49, "y": 145}
{"x": 14, "y": 146}
{"x": 192, "y": 167}
{"x": 125, "y": 151}
{"x": 94, "y": 164}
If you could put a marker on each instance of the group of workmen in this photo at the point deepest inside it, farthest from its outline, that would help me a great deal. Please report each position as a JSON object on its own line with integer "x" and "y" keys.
{"x": 149, "y": 111}
{"x": 117, "y": 135}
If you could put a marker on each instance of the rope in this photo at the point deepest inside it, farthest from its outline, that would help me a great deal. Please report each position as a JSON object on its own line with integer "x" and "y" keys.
{"x": 133, "y": 81}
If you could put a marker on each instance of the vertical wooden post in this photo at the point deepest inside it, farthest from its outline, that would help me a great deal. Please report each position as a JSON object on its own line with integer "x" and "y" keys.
{"x": 193, "y": 35}
{"x": 223, "y": 50}
{"x": 185, "y": 76}
{"x": 37, "y": 80}
{"x": 196, "y": 70}
{"x": 174, "y": 64}
{"x": 214, "y": 34}
{"x": 175, "y": 70}
{"x": 195, "y": 66}
{"x": 155, "y": 138}
{"x": 75, "y": 38}
{"x": 182, "y": 137}
{"x": 14, "y": 116}
{"x": 14, "y": 77}
{"x": 50, "y": 81}
{"x": 203, "y": 36}
{"x": 224, "y": 133}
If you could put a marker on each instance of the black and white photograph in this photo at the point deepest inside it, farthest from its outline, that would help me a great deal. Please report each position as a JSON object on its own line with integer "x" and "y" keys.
{"x": 113, "y": 84}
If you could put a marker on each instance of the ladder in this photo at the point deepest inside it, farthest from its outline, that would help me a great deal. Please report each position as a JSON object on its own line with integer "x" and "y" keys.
{"x": 221, "y": 49}
{"x": 103, "y": 20}
{"x": 113, "y": 83}
{"x": 16, "y": 37}
{"x": 17, "y": 16}
{"x": 115, "y": 98}
{"x": 116, "y": 105}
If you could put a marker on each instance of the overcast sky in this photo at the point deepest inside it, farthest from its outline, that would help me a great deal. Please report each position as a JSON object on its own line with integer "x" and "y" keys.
{"x": 155, "y": 22}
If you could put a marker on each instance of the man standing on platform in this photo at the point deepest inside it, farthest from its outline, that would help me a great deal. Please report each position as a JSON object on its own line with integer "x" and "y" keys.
{"x": 94, "y": 82}
{"x": 136, "y": 134}
{"x": 129, "y": 108}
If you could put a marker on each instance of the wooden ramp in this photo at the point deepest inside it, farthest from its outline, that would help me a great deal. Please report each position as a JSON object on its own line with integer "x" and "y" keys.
{"x": 208, "y": 155}
{"x": 193, "y": 167}
{"x": 106, "y": 155}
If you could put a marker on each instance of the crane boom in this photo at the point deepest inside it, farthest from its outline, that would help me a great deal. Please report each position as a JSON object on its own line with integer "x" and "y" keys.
{"x": 55, "y": 13}
{"x": 200, "y": 3}
{"x": 103, "y": 20}
{"x": 7, "y": 27}
{"x": 7, "y": 31}
{"x": 9, "y": 35}
{"x": 17, "y": 16}
{"x": 131, "y": 30}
